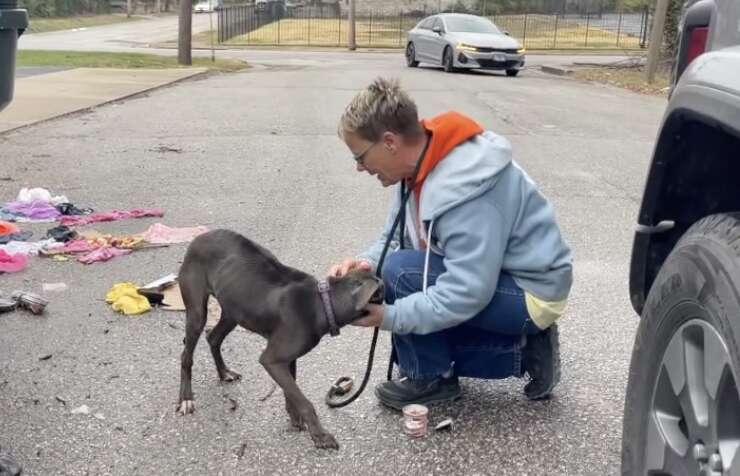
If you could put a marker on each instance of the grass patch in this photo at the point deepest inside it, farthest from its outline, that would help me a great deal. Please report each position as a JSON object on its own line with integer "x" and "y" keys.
{"x": 118, "y": 60}
{"x": 542, "y": 32}
{"x": 41, "y": 25}
{"x": 628, "y": 78}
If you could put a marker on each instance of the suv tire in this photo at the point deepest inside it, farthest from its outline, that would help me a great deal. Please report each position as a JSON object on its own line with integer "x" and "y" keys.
{"x": 682, "y": 410}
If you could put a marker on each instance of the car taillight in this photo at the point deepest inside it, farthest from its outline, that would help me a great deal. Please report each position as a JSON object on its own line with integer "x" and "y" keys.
{"x": 697, "y": 43}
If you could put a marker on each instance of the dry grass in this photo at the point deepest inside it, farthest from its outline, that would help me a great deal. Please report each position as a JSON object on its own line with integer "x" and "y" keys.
{"x": 542, "y": 32}
{"x": 41, "y": 25}
{"x": 628, "y": 78}
{"x": 74, "y": 59}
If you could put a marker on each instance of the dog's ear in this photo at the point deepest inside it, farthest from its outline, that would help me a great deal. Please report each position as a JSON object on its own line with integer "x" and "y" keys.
{"x": 363, "y": 292}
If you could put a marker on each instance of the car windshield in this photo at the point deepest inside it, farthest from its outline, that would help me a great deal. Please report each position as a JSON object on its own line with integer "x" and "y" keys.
{"x": 471, "y": 25}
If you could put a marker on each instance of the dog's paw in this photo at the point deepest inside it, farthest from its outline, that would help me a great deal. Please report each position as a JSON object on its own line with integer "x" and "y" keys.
{"x": 185, "y": 407}
{"x": 325, "y": 441}
{"x": 230, "y": 376}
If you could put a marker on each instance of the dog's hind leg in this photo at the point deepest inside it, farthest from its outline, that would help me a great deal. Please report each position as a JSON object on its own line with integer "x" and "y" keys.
{"x": 215, "y": 338}
{"x": 194, "y": 291}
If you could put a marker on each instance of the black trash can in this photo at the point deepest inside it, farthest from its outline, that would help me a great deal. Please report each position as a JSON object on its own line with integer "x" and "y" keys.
{"x": 13, "y": 22}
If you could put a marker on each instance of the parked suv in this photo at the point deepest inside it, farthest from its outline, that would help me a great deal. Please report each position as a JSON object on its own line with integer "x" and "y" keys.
{"x": 682, "y": 410}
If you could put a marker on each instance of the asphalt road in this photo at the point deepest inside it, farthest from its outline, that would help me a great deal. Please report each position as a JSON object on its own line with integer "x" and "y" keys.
{"x": 257, "y": 152}
{"x": 115, "y": 37}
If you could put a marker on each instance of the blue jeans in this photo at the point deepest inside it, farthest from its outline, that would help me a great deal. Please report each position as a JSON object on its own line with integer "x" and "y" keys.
{"x": 489, "y": 345}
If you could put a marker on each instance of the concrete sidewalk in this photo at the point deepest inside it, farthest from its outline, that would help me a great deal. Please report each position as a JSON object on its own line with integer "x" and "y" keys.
{"x": 43, "y": 97}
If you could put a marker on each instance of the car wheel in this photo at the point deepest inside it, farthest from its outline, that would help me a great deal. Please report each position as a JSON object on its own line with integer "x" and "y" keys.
{"x": 512, "y": 72}
{"x": 411, "y": 56}
{"x": 447, "y": 61}
{"x": 683, "y": 401}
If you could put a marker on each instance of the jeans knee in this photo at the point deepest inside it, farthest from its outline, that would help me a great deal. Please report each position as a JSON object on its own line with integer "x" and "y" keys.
{"x": 394, "y": 266}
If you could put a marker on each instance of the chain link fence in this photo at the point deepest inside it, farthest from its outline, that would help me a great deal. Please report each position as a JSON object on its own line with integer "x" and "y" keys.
{"x": 273, "y": 24}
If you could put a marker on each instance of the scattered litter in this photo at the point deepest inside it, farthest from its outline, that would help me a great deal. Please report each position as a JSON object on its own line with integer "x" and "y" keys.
{"x": 234, "y": 404}
{"x": 111, "y": 216}
{"x": 69, "y": 209}
{"x": 27, "y": 195}
{"x": 32, "y": 302}
{"x": 62, "y": 233}
{"x": 54, "y": 287}
{"x": 99, "y": 416}
{"x": 60, "y": 258}
{"x": 102, "y": 254}
{"x": 163, "y": 148}
{"x": 32, "y": 211}
{"x": 27, "y": 248}
{"x": 414, "y": 420}
{"x": 12, "y": 263}
{"x": 7, "y": 228}
{"x": 163, "y": 234}
{"x": 165, "y": 292}
{"x": 19, "y": 236}
{"x": 445, "y": 424}
{"x": 7, "y": 305}
{"x": 61, "y": 400}
{"x": 45, "y": 357}
{"x": 240, "y": 452}
{"x": 125, "y": 298}
{"x": 82, "y": 410}
{"x": 8, "y": 465}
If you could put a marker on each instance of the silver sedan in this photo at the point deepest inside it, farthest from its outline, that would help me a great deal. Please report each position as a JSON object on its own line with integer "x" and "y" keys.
{"x": 456, "y": 41}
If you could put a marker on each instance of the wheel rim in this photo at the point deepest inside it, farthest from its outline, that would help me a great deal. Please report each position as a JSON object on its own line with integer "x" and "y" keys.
{"x": 410, "y": 53}
{"x": 694, "y": 422}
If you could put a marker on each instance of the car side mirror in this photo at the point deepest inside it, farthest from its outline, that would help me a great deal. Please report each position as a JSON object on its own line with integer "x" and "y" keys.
{"x": 437, "y": 30}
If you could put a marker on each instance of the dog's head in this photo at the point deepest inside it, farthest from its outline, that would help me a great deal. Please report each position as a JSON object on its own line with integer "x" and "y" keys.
{"x": 353, "y": 292}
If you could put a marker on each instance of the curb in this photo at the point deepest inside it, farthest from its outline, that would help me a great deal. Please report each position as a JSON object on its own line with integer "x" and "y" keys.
{"x": 104, "y": 103}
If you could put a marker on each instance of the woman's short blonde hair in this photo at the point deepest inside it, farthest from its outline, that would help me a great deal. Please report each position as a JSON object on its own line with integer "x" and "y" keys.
{"x": 382, "y": 106}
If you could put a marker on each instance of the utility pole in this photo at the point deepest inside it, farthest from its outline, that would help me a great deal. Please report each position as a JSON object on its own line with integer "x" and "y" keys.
{"x": 352, "y": 39}
{"x": 158, "y": 7}
{"x": 185, "y": 36}
{"x": 128, "y": 8}
{"x": 656, "y": 40}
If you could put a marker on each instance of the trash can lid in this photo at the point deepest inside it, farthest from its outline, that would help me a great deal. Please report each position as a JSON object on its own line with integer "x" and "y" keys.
{"x": 13, "y": 19}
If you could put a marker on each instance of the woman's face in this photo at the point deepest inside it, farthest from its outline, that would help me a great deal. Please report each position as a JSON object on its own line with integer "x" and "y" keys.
{"x": 380, "y": 159}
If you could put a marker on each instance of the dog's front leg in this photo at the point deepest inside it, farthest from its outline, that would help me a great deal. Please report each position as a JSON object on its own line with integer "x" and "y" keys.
{"x": 295, "y": 419}
{"x": 280, "y": 372}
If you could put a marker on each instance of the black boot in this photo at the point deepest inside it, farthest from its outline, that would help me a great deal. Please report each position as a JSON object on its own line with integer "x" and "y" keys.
{"x": 541, "y": 361}
{"x": 399, "y": 393}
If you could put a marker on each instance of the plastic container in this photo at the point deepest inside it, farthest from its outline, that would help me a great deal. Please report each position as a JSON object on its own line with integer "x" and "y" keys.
{"x": 13, "y": 22}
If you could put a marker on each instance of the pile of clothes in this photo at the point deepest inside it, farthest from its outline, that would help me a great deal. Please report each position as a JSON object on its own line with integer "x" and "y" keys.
{"x": 64, "y": 241}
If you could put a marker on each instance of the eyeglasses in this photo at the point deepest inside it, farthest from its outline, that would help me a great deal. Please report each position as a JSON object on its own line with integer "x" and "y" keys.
{"x": 360, "y": 158}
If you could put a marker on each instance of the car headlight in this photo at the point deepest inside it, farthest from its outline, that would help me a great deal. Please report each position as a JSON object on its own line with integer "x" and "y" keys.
{"x": 521, "y": 51}
{"x": 464, "y": 47}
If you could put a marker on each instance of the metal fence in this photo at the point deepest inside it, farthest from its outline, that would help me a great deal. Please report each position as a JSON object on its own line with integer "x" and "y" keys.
{"x": 245, "y": 25}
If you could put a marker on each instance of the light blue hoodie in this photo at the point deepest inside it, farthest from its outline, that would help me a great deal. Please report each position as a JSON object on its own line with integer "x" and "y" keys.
{"x": 484, "y": 215}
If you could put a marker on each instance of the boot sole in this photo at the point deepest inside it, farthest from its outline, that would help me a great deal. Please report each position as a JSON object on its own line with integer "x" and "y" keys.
{"x": 398, "y": 405}
{"x": 554, "y": 336}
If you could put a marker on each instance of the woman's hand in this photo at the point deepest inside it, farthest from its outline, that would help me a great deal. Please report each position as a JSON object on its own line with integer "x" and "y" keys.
{"x": 374, "y": 317}
{"x": 348, "y": 265}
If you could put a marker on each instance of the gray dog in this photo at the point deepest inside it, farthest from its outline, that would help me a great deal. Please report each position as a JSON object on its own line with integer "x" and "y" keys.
{"x": 289, "y": 308}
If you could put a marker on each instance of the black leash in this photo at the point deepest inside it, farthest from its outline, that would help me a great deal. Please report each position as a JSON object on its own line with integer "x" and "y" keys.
{"x": 343, "y": 385}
